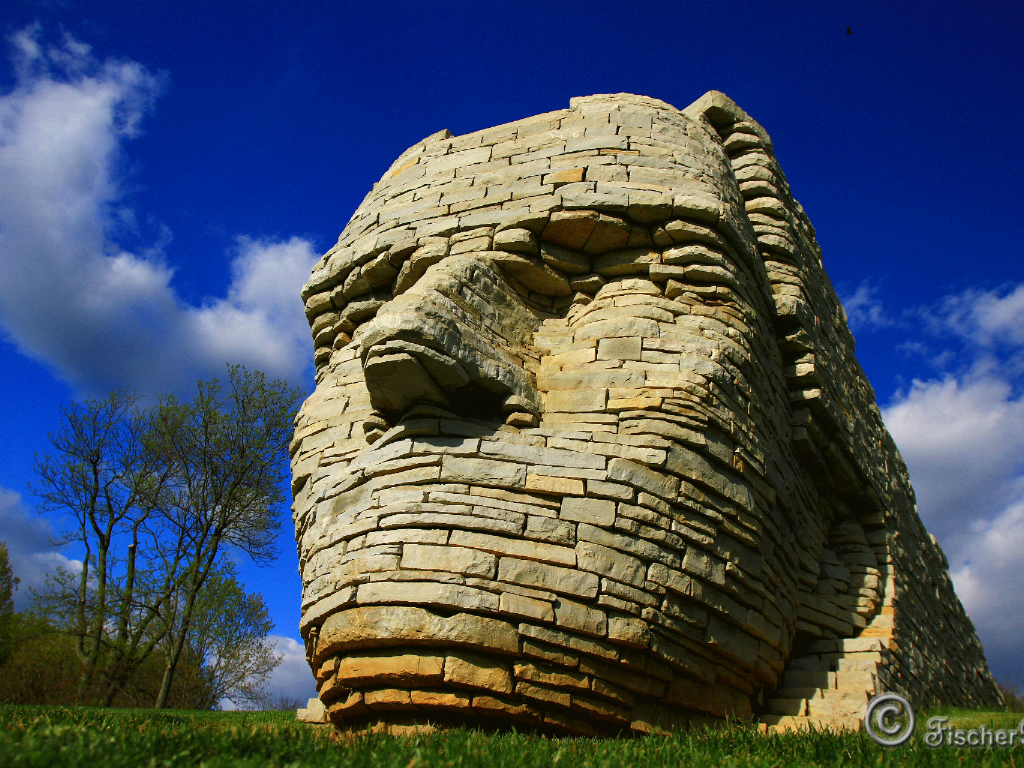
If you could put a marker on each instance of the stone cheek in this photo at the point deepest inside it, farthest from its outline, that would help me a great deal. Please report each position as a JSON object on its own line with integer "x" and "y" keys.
{"x": 585, "y": 454}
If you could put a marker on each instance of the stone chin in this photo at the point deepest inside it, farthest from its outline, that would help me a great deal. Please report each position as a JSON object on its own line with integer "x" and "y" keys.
{"x": 588, "y": 450}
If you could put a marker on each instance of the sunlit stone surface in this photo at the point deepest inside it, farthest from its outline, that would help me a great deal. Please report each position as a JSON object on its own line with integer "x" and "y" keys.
{"x": 590, "y": 450}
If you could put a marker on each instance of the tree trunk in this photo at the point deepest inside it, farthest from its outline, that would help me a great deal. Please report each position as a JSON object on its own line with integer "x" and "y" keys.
{"x": 80, "y": 650}
{"x": 203, "y": 570}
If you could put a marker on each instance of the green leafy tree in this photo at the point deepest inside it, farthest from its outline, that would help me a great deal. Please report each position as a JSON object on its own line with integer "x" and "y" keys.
{"x": 158, "y": 496}
{"x": 104, "y": 473}
{"x": 228, "y": 449}
{"x": 233, "y": 658}
{"x": 1013, "y": 695}
{"x": 8, "y": 583}
{"x": 41, "y": 667}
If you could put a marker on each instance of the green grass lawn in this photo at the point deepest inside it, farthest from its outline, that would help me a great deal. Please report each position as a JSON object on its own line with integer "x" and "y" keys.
{"x": 80, "y": 736}
{"x": 966, "y": 718}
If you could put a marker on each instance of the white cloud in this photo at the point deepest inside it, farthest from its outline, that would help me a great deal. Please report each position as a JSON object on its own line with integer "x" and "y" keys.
{"x": 69, "y": 295}
{"x": 864, "y": 310}
{"x": 292, "y": 679}
{"x": 988, "y": 582}
{"x": 984, "y": 317}
{"x": 32, "y": 556}
{"x": 261, "y": 320}
{"x": 963, "y": 440}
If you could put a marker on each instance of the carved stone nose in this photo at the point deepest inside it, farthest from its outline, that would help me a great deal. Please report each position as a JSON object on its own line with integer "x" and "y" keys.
{"x": 457, "y": 339}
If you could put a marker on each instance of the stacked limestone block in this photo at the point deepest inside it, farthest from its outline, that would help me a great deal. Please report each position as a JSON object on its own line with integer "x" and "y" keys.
{"x": 589, "y": 450}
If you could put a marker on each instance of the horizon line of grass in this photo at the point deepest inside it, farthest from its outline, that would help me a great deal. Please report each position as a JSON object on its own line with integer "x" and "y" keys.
{"x": 41, "y": 736}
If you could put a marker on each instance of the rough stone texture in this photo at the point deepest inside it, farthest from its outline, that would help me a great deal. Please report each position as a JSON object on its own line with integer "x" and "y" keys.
{"x": 589, "y": 449}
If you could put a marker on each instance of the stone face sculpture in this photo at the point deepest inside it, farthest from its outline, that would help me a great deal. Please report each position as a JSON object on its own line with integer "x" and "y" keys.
{"x": 589, "y": 450}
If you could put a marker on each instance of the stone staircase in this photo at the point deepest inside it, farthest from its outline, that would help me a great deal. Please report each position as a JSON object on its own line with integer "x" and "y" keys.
{"x": 831, "y": 683}
{"x": 823, "y": 693}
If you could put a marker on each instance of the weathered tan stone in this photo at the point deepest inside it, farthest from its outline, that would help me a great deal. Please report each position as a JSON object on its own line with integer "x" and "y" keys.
{"x": 392, "y": 668}
{"x": 571, "y": 229}
{"x": 619, "y": 349}
{"x": 313, "y": 712}
{"x": 533, "y": 550}
{"x": 564, "y": 176}
{"x": 388, "y": 699}
{"x": 560, "y": 486}
{"x": 526, "y": 607}
{"x": 607, "y": 562}
{"x": 426, "y": 593}
{"x": 516, "y": 240}
{"x": 350, "y": 706}
{"x": 576, "y": 401}
{"x": 586, "y": 510}
{"x": 559, "y": 678}
{"x": 602, "y": 490}
{"x": 530, "y": 573}
{"x": 599, "y": 709}
{"x": 543, "y": 694}
{"x": 376, "y": 626}
{"x": 455, "y": 469}
{"x": 632, "y": 632}
{"x": 476, "y": 671}
{"x": 452, "y": 559}
{"x": 581, "y": 618}
{"x": 642, "y": 478}
{"x": 457, "y": 702}
{"x": 495, "y": 707}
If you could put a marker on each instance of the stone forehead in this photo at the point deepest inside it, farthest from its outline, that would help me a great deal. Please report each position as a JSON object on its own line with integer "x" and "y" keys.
{"x": 627, "y": 155}
{"x": 616, "y": 106}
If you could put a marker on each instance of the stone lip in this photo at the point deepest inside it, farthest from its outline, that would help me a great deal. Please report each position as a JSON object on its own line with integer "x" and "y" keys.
{"x": 589, "y": 450}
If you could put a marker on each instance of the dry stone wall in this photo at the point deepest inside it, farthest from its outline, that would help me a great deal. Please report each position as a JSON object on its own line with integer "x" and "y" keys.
{"x": 590, "y": 452}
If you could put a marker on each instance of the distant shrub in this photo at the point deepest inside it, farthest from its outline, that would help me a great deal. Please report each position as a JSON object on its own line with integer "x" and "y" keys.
{"x": 1013, "y": 693}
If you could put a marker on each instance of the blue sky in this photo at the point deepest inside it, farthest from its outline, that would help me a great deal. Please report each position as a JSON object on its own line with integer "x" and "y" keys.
{"x": 169, "y": 171}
